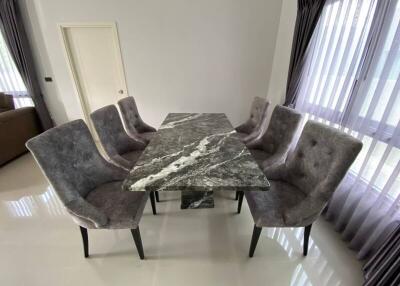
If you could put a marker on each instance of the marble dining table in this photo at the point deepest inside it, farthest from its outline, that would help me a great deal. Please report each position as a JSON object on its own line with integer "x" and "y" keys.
{"x": 197, "y": 154}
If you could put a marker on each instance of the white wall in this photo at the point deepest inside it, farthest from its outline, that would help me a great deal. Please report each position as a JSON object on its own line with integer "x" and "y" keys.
{"x": 179, "y": 55}
{"x": 283, "y": 48}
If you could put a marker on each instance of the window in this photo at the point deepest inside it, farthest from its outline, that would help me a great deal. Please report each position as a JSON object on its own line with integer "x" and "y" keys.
{"x": 352, "y": 81}
{"x": 10, "y": 79}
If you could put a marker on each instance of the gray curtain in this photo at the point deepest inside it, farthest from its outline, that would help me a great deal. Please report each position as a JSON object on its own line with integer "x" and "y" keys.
{"x": 15, "y": 36}
{"x": 308, "y": 13}
{"x": 383, "y": 268}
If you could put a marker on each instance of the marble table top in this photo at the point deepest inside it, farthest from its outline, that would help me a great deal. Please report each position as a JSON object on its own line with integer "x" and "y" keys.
{"x": 196, "y": 152}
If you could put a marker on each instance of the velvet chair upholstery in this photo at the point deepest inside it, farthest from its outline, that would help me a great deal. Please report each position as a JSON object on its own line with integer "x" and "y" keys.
{"x": 134, "y": 124}
{"x": 120, "y": 147}
{"x": 302, "y": 185}
{"x": 273, "y": 146}
{"x": 88, "y": 186}
{"x": 252, "y": 127}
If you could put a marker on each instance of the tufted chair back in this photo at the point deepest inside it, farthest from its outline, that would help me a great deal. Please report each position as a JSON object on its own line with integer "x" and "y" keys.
{"x": 321, "y": 158}
{"x": 111, "y": 132}
{"x": 133, "y": 121}
{"x": 281, "y": 130}
{"x": 71, "y": 162}
{"x": 256, "y": 112}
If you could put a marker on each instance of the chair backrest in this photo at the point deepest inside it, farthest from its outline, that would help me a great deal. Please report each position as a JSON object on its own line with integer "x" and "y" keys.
{"x": 70, "y": 160}
{"x": 111, "y": 132}
{"x": 321, "y": 158}
{"x": 257, "y": 111}
{"x": 282, "y": 128}
{"x": 130, "y": 114}
{"x": 261, "y": 127}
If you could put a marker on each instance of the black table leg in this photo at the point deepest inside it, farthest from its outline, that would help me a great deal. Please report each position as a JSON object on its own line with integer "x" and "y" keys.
{"x": 153, "y": 203}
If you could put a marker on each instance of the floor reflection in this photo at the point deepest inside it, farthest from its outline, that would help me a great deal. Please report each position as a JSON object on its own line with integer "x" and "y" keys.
{"x": 34, "y": 205}
{"x": 317, "y": 269}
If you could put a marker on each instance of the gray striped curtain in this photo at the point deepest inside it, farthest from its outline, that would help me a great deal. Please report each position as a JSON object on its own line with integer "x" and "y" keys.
{"x": 353, "y": 83}
{"x": 383, "y": 268}
{"x": 308, "y": 14}
{"x": 14, "y": 34}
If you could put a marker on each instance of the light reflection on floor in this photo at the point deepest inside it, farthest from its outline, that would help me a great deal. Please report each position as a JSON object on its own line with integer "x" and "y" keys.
{"x": 30, "y": 206}
{"x": 203, "y": 247}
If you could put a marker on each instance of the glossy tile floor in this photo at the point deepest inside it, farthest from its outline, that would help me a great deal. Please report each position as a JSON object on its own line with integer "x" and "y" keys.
{"x": 40, "y": 245}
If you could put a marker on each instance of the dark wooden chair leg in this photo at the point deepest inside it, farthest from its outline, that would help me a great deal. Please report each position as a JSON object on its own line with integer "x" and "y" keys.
{"x": 153, "y": 203}
{"x": 254, "y": 240}
{"x": 157, "y": 197}
{"x": 138, "y": 241}
{"x": 85, "y": 241}
{"x": 237, "y": 195}
{"x": 241, "y": 195}
{"x": 307, "y": 231}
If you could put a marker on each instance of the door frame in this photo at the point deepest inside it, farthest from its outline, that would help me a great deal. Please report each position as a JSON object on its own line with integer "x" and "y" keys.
{"x": 63, "y": 27}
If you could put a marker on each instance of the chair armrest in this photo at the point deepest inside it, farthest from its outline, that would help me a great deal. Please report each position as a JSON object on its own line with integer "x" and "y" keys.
{"x": 116, "y": 172}
{"x": 81, "y": 208}
{"x": 275, "y": 171}
{"x": 311, "y": 206}
{"x": 254, "y": 136}
{"x": 136, "y": 143}
{"x": 144, "y": 127}
{"x": 253, "y": 143}
{"x": 275, "y": 160}
{"x": 121, "y": 162}
{"x": 137, "y": 137}
{"x": 244, "y": 128}
{"x": 305, "y": 212}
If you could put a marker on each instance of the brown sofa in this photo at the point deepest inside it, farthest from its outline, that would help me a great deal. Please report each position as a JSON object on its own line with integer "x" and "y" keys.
{"x": 16, "y": 127}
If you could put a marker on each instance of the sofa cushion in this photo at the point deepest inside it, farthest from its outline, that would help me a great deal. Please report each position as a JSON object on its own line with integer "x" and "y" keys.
{"x": 16, "y": 127}
{"x": 6, "y": 102}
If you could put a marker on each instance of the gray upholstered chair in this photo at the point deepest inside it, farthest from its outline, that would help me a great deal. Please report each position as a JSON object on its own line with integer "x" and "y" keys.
{"x": 301, "y": 186}
{"x": 253, "y": 126}
{"x": 273, "y": 146}
{"x": 132, "y": 120}
{"x": 120, "y": 147}
{"x": 87, "y": 184}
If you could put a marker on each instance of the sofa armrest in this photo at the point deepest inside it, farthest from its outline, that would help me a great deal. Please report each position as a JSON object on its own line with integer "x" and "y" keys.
{"x": 16, "y": 127}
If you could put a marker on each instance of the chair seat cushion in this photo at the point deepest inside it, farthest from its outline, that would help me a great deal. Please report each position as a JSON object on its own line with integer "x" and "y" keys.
{"x": 269, "y": 208}
{"x": 123, "y": 208}
{"x": 132, "y": 156}
{"x": 259, "y": 155}
{"x": 147, "y": 135}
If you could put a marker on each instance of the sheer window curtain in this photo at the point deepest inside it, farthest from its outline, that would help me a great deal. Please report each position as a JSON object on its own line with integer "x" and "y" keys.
{"x": 14, "y": 34}
{"x": 352, "y": 81}
{"x": 10, "y": 80}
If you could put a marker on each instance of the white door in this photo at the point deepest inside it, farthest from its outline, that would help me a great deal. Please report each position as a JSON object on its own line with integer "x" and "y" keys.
{"x": 95, "y": 60}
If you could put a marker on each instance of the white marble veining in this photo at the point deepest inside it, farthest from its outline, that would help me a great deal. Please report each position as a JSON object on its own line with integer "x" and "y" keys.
{"x": 196, "y": 152}
{"x": 185, "y": 119}
{"x": 183, "y": 161}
